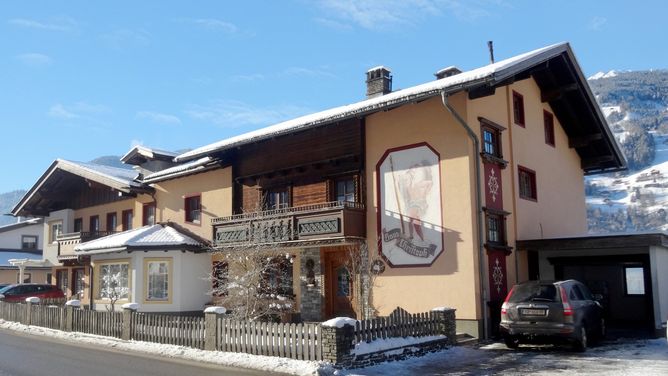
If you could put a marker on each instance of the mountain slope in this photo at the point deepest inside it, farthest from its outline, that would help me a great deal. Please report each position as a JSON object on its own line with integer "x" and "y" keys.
{"x": 636, "y": 107}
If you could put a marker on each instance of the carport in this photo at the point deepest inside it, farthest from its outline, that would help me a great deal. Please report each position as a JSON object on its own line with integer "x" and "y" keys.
{"x": 630, "y": 271}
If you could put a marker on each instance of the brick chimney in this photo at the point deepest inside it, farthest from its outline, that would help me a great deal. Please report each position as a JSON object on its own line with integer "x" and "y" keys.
{"x": 378, "y": 81}
{"x": 447, "y": 72}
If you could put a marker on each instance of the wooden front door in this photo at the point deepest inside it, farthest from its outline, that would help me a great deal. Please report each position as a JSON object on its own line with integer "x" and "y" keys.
{"x": 339, "y": 284}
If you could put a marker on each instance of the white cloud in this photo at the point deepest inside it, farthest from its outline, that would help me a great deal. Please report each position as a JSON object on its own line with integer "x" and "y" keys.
{"x": 388, "y": 14}
{"x": 301, "y": 71}
{"x": 78, "y": 110}
{"x": 58, "y": 111}
{"x": 234, "y": 114}
{"x": 332, "y": 24}
{"x": 597, "y": 23}
{"x": 158, "y": 117}
{"x": 249, "y": 77}
{"x": 122, "y": 38}
{"x": 215, "y": 24}
{"x": 57, "y": 24}
{"x": 34, "y": 59}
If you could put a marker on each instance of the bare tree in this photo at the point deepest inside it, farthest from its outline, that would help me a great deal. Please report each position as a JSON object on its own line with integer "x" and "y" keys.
{"x": 254, "y": 283}
{"x": 113, "y": 289}
{"x": 364, "y": 269}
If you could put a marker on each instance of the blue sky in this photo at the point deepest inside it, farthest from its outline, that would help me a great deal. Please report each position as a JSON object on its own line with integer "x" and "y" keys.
{"x": 83, "y": 79}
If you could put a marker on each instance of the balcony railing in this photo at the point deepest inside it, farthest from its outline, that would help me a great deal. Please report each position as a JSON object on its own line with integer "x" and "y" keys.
{"x": 310, "y": 223}
{"x": 67, "y": 242}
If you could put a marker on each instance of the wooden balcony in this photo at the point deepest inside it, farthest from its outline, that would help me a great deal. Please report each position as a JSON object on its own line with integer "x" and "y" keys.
{"x": 311, "y": 224}
{"x": 67, "y": 242}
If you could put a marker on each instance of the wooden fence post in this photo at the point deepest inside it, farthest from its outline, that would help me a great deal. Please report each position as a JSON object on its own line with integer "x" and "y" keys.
{"x": 28, "y": 312}
{"x": 67, "y": 324}
{"x": 128, "y": 310}
{"x": 211, "y": 327}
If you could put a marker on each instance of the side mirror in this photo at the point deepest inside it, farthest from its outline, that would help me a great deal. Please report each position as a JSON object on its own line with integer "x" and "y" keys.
{"x": 598, "y": 297}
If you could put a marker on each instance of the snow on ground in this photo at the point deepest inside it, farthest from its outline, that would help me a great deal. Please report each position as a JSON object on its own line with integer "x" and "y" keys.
{"x": 620, "y": 357}
{"x": 263, "y": 363}
{"x": 623, "y": 357}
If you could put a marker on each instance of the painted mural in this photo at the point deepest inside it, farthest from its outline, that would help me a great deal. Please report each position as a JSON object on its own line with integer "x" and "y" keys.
{"x": 410, "y": 215}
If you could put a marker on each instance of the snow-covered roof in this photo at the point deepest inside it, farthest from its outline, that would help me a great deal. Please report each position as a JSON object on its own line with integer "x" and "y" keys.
{"x": 6, "y": 256}
{"x": 163, "y": 236}
{"x": 496, "y": 72}
{"x": 16, "y": 225}
{"x": 180, "y": 170}
{"x": 121, "y": 175}
{"x": 121, "y": 179}
{"x": 148, "y": 153}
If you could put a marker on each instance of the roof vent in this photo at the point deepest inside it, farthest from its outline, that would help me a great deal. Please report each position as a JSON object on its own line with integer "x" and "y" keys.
{"x": 447, "y": 72}
{"x": 378, "y": 81}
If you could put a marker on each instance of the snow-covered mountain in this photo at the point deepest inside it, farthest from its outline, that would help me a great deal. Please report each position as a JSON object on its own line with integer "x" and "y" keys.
{"x": 636, "y": 107}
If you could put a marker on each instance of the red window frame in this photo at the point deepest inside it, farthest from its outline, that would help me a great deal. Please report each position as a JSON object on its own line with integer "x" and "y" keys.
{"x": 193, "y": 209}
{"x": 548, "y": 122}
{"x": 518, "y": 109}
{"x": 528, "y": 189}
{"x": 112, "y": 221}
{"x": 145, "y": 214}
{"x": 126, "y": 222}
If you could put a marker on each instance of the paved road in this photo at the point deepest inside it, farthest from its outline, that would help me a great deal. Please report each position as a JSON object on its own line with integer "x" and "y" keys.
{"x": 24, "y": 355}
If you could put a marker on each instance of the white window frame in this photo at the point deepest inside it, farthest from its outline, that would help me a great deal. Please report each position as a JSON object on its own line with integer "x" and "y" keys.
{"x": 158, "y": 286}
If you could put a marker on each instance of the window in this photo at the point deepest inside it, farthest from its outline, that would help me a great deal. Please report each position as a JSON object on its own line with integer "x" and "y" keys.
{"x": 490, "y": 142}
{"x": 61, "y": 280}
{"x": 94, "y": 223}
{"x": 148, "y": 215}
{"x": 343, "y": 281}
{"x": 113, "y": 281}
{"x": 548, "y": 121}
{"x": 518, "y": 108}
{"x": 112, "y": 222}
{"x": 78, "y": 224}
{"x": 495, "y": 229}
{"x": 277, "y": 199}
{"x": 55, "y": 229}
{"x": 193, "y": 207}
{"x": 157, "y": 275}
{"x": 527, "y": 182}
{"x": 634, "y": 276}
{"x": 27, "y": 278}
{"x": 345, "y": 190}
{"x": 49, "y": 278}
{"x": 78, "y": 283}
{"x": 127, "y": 219}
{"x": 277, "y": 276}
{"x": 220, "y": 276}
{"x": 29, "y": 242}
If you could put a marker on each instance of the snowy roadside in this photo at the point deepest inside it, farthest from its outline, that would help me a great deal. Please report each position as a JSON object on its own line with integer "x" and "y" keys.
{"x": 256, "y": 362}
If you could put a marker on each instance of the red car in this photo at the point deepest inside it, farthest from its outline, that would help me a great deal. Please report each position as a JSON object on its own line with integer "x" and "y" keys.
{"x": 19, "y": 292}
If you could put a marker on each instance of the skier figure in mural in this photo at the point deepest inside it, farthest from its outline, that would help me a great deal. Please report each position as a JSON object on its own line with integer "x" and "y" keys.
{"x": 416, "y": 184}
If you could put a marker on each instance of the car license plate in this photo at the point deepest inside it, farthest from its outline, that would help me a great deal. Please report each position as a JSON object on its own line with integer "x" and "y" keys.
{"x": 533, "y": 312}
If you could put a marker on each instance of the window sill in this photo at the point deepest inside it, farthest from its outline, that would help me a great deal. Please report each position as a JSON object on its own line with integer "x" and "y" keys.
{"x": 494, "y": 159}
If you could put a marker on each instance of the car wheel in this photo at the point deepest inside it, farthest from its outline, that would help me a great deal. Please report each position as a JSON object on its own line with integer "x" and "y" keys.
{"x": 511, "y": 342}
{"x": 581, "y": 340}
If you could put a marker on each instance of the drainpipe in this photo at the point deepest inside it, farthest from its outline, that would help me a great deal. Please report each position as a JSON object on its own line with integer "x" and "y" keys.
{"x": 479, "y": 221}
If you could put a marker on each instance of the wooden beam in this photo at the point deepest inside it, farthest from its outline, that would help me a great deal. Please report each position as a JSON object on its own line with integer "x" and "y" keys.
{"x": 582, "y": 141}
{"x": 557, "y": 93}
{"x": 481, "y": 91}
{"x": 589, "y": 163}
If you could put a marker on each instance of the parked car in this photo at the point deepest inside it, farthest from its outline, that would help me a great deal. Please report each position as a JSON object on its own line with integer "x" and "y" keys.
{"x": 562, "y": 312}
{"x": 19, "y": 292}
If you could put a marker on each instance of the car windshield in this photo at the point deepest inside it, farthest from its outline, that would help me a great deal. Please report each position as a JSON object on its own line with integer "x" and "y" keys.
{"x": 534, "y": 292}
{"x": 2, "y": 290}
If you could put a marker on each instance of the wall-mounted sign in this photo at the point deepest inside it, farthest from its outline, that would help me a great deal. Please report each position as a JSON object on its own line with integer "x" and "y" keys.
{"x": 409, "y": 201}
